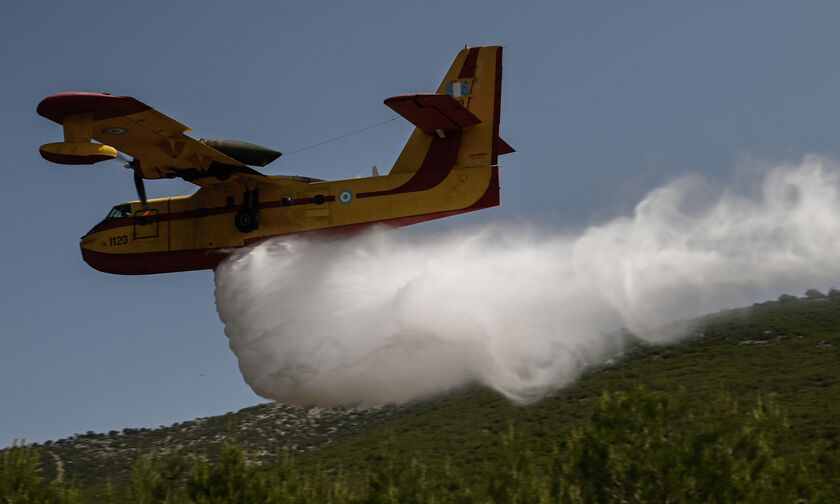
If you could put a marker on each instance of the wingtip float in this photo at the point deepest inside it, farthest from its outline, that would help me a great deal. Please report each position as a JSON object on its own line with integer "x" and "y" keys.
{"x": 448, "y": 166}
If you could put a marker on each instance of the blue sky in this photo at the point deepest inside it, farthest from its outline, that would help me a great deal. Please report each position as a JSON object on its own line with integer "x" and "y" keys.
{"x": 602, "y": 100}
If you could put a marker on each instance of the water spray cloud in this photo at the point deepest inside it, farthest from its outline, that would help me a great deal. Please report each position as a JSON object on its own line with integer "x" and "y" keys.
{"x": 390, "y": 316}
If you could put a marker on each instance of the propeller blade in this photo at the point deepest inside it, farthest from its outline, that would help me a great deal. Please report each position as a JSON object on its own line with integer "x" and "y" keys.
{"x": 141, "y": 188}
{"x": 129, "y": 163}
{"x": 134, "y": 164}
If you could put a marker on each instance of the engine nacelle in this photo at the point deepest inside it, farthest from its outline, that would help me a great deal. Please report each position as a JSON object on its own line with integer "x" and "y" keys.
{"x": 244, "y": 152}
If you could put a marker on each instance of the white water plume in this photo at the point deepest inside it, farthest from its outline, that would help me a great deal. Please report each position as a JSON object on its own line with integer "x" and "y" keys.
{"x": 390, "y": 316}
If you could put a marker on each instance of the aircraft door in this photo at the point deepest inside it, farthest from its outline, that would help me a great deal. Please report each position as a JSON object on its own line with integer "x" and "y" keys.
{"x": 146, "y": 223}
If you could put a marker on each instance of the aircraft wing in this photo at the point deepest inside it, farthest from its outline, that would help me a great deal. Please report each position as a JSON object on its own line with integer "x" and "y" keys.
{"x": 157, "y": 142}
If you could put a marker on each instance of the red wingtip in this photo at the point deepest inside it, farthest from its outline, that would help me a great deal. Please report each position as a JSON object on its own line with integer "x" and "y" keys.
{"x": 60, "y": 105}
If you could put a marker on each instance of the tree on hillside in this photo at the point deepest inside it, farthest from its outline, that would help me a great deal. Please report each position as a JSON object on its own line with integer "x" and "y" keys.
{"x": 21, "y": 480}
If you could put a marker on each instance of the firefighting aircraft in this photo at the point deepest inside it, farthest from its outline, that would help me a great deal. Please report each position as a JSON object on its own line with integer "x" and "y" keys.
{"x": 448, "y": 166}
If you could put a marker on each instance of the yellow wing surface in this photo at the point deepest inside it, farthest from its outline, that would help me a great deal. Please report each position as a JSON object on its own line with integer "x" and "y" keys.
{"x": 121, "y": 123}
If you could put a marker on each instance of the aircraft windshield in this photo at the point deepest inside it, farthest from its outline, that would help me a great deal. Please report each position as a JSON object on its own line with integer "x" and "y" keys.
{"x": 119, "y": 211}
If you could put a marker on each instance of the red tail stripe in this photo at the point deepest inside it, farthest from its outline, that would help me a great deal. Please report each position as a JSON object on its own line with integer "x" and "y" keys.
{"x": 497, "y": 107}
{"x": 438, "y": 163}
{"x": 468, "y": 70}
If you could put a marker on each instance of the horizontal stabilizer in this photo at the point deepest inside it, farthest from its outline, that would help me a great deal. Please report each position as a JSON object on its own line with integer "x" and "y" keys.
{"x": 433, "y": 112}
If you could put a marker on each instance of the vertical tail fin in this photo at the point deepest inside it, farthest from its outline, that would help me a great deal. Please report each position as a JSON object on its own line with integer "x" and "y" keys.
{"x": 474, "y": 82}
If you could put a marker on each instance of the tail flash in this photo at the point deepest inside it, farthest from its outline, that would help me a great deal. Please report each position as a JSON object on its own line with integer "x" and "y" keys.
{"x": 461, "y": 118}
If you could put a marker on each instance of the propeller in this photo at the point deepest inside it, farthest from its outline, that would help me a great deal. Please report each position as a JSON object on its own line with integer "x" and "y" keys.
{"x": 134, "y": 165}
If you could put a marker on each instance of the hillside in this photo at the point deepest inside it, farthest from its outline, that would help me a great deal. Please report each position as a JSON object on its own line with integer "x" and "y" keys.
{"x": 787, "y": 350}
{"x": 91, "y": 457}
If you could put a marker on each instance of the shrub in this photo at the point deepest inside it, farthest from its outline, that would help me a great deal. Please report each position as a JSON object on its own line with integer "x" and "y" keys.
{"x": 814, "y": 294}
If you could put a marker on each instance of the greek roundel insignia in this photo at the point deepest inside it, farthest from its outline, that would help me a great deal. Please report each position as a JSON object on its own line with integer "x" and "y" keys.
{"x": 114, "y": 131}
{"x": 345, "y": 197}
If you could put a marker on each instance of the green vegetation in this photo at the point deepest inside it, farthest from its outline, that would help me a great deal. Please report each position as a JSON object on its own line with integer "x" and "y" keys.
{"x": 745, "y": 410}
{"x": 640, "y": 446}
{"x": 21, "y": 480}
{"x": 94, "y": 457}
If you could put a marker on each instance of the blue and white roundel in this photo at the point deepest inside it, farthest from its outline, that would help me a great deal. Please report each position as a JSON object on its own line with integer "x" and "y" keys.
{"x": 345, "y": 197}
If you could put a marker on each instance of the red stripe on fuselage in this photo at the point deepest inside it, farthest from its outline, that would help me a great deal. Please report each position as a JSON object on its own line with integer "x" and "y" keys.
{"x": 201, "y": 212}
{"x": 295, "y": 202}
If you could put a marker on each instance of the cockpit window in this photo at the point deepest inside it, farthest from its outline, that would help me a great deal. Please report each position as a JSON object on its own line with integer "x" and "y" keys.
{"x": 119, "y": 211}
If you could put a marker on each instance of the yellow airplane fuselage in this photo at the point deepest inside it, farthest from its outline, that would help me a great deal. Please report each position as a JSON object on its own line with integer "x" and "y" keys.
{"x": 199, "y": 231}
